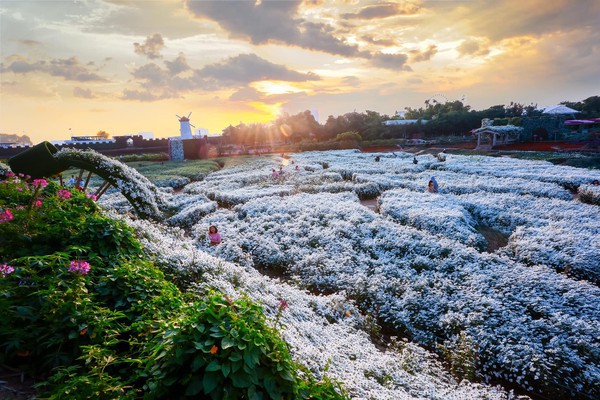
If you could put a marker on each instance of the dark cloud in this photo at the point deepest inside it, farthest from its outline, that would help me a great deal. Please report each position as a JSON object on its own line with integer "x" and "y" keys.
{"x": 151, "y": 47}
{"x": 351, "y": 81}
{"x": 178, "y": 65}
{"x": 383, "y": 10}
{"x": 69, "y": 68}
{"x": 83, "y": 93}
{"x": 390, "y": 61}
{"x": 473, "y": 47}
{"x": 419, "y": 56}
{"x": 246, "y": 68}
{"x": 271, "y": 22}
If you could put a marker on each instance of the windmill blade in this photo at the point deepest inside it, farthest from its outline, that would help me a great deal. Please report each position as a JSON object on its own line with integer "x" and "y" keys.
{"x": 177, "y": 116}
{"x": 189, "y": 114}
{"x": 193, "y": 126}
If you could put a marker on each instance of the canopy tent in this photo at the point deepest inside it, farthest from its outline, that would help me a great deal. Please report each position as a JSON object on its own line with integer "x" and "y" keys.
{"x": 559, "y": 109}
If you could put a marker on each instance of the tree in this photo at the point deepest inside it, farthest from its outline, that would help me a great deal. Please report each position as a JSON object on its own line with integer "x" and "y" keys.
{"x": 103, "y": 134}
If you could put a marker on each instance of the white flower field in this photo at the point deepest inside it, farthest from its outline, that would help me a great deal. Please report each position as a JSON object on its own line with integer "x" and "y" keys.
{"x": 493, "y": 279}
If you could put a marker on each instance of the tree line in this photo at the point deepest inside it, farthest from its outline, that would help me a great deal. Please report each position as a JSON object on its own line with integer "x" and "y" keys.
{"x": 442, "y": 119}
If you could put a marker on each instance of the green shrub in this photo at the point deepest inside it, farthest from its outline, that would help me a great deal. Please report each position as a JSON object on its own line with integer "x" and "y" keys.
{"x": 84, "y": 312}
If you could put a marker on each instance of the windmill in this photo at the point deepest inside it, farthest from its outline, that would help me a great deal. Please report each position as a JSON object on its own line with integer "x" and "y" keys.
{"x": 184, "y": 126}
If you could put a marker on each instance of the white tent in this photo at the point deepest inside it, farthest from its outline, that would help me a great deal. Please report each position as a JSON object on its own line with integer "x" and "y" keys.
{"x": 559, "y": 109}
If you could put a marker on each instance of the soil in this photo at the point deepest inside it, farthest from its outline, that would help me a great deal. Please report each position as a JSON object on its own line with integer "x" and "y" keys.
{"x": 370, "y": 204}
{"x": 494, "y": 238}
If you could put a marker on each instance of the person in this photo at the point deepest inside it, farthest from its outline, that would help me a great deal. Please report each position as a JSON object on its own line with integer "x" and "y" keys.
{"x": 432, "y": 186}
{"x": 274, "y": 174}
{"x": 72, "y": 180}
{"x": 214, "y": 236}
{"x": 595, "y": 182}
{"x": 280, "y": 170}
{"x": 377, "y": 159}
{"x": 297, "y": 168}
{"x": 415, "y": 161}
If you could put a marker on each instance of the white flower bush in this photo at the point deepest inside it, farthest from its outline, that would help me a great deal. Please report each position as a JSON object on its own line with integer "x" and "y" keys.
{"x": 432, "y": 212}
{"x": 326, "y": 333}
{"x": 525, "y": 314}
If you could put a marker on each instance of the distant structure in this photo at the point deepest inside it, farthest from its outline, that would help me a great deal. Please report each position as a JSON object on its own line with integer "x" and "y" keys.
{"x": 201, "y": 132}
{"x": 184, "y": 127}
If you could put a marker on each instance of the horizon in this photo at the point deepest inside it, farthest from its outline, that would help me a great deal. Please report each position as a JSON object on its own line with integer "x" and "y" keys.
{"x": 76, "y": 68}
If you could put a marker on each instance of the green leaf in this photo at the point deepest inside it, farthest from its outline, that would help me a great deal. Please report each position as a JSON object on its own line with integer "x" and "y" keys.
{"x": 210, "y": 381}
{"x": 195, "y": 386}
{"x": 225, "y": 369}
{"x": 241, "y": 380}
{"x": 227, "y": 342}
{"x": 213, "y": 366}
{"x": 197, "y": 363}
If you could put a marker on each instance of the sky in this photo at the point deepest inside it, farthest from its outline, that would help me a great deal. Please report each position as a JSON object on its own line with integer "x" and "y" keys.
{"x": 127, "y": 66}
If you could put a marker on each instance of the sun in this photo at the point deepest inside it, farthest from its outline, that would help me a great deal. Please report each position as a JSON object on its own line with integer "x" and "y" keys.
{"x": 276, "y": 87}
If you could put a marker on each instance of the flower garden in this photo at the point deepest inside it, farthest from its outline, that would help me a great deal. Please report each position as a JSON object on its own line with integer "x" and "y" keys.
{"x": 410, "y": 300}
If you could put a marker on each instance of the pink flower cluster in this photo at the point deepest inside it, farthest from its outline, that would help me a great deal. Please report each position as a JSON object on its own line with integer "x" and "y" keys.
{"x": 6, "y": 270}
{"x": 5, "y": 216}
{"x": 79, "y": 267}
{"x": 40, "y": 182}
{"x": 64, "y": 194}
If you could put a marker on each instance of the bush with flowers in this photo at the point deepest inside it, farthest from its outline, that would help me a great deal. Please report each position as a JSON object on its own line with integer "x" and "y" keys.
{"x": 89, "y": 316}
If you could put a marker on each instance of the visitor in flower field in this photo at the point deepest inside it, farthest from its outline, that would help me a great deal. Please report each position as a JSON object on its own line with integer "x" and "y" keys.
{"x": 72, "y": 180}
{"x": 377, "y": 159}
{"x": 214, "y": 236}
{"x": 415, "y": 161}
{"x": 280, "y": 170}
{"x": 595, "y": 182}
{"x": 432, "y": 186}
{"x": 274, "y": 174}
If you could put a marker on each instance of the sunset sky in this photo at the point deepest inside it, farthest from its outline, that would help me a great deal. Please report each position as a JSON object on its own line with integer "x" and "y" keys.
{"x": 126, "y": 66}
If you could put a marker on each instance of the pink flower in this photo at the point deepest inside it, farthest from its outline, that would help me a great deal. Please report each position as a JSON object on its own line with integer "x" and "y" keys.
{"x": 79, "y": 267}
{"x": 10, "y": 174}
{"x": 19, "y": 189}
{"x": 91, "y": 196}
{"x": 38, "y": 203}
{"x": 6, "y": 270}
{"x": 40, "y": 182}
{"x": 5, "y": 216}
{"x": 64, "y": 194}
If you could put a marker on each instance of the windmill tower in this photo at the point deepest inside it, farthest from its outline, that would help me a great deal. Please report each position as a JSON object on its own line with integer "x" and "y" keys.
{"x": 184, "y": 126}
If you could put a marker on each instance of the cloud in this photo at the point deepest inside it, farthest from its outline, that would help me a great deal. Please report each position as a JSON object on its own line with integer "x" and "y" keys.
{"x": 68, "y": 68}
{"x": 390, "y": 61}
{"x": 271, "y": 22}
{"x": 246, "y": 68}
{"x": 178, "y": 65}
{"x": 247, "y": 94}
{"x": 145, "y": 95}
{"x": 384, "y": 10}
{"x": 83, "y": 93}
{"x": 151, "y": 47}
{"x": 235, "y": 72}
{"x": 378, "y": 41}
{"x": 419, "y": 56}
{"x": 473, "y": 47}
{"x": 30, "y": 43}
